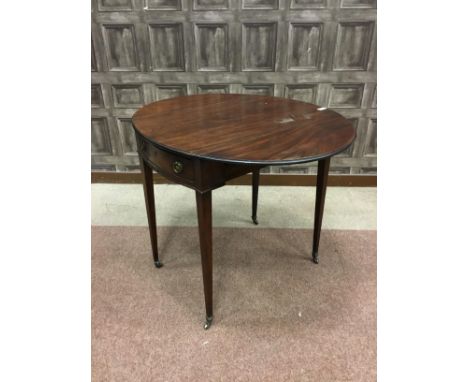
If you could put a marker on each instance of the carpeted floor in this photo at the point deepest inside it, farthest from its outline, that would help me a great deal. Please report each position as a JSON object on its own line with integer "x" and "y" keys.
{"x": 277, "y": 316}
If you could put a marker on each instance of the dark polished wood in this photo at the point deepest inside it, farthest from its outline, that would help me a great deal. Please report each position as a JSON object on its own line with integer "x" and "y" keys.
{"x": 245, "y": 180}
{"x": 204, "y": 141}
{"x": 255, "y": 182}
{"x": 206, "y": 250}
{"x": 321, "y": 190}
{"x": 238, "y": 128}
{"x": 200, "y": 174}
{"x": 148, "y": 188}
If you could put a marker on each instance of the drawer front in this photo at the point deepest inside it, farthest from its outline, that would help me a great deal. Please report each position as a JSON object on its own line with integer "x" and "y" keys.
{"x": 170, "y": 165}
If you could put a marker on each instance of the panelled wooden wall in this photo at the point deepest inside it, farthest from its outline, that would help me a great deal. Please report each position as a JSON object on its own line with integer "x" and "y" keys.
{"x": 319, "y": 51}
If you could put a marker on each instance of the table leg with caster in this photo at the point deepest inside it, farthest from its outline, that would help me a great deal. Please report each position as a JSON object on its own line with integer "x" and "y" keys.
{"x": 206, "y": 249}
{"x": 255, "y": 182}
{"x": 148, "y": 188}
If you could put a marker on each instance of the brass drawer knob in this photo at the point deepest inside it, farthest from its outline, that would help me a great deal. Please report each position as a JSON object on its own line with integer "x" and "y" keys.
{"x": 178, "y": 167}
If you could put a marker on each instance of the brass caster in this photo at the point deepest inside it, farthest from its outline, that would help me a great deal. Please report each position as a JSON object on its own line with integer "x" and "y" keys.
{"x": 208, "y": 322}
{"x": 315, "y": 257}
{"x": 158, "y": 264}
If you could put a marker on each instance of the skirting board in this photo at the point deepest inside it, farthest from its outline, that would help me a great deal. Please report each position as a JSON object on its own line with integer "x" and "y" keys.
{"x": 265, "y": 179}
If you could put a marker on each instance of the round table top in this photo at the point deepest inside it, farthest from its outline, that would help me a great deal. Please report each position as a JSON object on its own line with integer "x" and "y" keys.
{"x": 250, "y": 129}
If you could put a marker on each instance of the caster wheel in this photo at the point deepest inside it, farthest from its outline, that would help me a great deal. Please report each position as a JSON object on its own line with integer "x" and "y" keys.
{"x": 208, "y": 322}
{"x": 315, "y": 257}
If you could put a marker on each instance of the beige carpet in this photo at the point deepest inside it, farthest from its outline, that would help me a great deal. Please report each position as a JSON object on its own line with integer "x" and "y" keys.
{"x": 277, "y": 316}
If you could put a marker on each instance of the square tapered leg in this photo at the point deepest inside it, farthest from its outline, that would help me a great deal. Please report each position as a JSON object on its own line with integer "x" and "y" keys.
{"x": 148, "y": 188}
{"x": 322, "y": 178}
{"x": 206, "y": 250}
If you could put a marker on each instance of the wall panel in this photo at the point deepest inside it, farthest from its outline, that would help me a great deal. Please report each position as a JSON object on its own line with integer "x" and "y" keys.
{"x": 319, "y": 51}
{"x": 353, "y": 45}
{"x": 304, "y": 46}
{"x": 166, "y": 47}
{"x": 259, "y": 46}
{"x": 212, "y": 47}
{"x": 120, "y": 44}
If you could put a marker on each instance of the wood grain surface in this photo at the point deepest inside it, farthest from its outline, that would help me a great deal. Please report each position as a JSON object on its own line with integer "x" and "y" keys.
{"x": 235, "y": 128}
